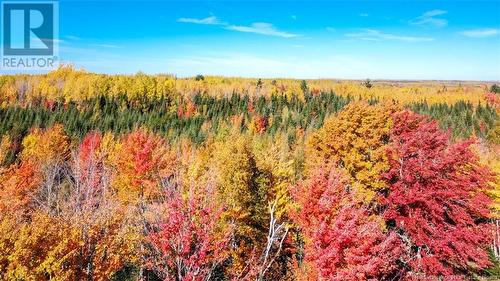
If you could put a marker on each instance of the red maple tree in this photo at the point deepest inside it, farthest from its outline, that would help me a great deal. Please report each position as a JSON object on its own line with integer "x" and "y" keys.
{"x": 436, "y": 202}
{"x": 344, "y": 241}
{"x": 89, "y": 166}
{"x": 191, "y": 241}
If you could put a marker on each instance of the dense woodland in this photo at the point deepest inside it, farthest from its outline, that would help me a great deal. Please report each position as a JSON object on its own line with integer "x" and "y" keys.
{"x": 141, "y": 177}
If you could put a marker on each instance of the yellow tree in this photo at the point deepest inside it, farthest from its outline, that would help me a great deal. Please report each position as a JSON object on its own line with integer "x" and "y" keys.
{"x": 237, "y": 179}
{"x": 355, "y": 140}
{"x": 252, "y": 178}
{"x": 59, "y": 248}
{"x": 46, "y": 146}
{"x": 275, "y": 161}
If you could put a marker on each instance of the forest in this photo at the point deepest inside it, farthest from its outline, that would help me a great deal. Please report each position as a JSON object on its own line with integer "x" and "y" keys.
{"x": 155, "y": 177}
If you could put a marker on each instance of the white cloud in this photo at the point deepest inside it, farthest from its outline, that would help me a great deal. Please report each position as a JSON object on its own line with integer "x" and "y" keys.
{"x": 377, "y": 35}
{"x": 429, "y": 19}
{"x": 263, "y": 28}
{"x": 294, "y": 17}
{"x": 212, "y": 20}
{"x": 329, "y": 28}
{"x": 481, "y": 32}
{"x": 363, "y": 15}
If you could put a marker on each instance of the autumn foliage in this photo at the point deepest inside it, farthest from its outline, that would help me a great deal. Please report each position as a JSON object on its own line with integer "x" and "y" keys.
{"x": 355, "y": 141}
{"x": 430, "y": 220}
{"x": 141, "y": 161}
{"x": 343, "y": 240}
{"x": 436, "y": 199}
{"x": 139, "y": 177}
{"x": 190, "y": 240}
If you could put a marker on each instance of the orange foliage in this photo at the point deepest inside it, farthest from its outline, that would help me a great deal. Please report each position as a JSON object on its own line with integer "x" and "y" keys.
{"x": 17, "y": 185}
{"x": 141, "y": 162}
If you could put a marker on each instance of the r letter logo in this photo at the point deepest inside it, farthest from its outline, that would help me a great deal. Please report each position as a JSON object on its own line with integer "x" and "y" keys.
{"x": 29, "y": 35}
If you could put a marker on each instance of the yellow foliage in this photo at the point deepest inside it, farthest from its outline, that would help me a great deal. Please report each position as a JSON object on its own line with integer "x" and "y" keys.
{"x": 235, "y": 173}
{"x": 494, "y": 134}
{"x": 274, "y": 160}
{"x": 45, "y": 146}
{"x": 8, "y": 233}
{"x": 71, "y": 84}
{"x": 237, "y": 181}
{"x": 355, "y": 140}
{"x": 490, "y": 156}
{"x": 410, "y": 92}
{"x": 66, "y": 248}
{"x": 4, "y": 148}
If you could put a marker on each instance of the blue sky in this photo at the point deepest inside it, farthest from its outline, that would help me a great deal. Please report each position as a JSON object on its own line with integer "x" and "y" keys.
{"x": 298, "y": 39}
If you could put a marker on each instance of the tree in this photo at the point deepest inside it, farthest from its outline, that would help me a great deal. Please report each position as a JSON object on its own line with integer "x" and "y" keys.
{"x": 190, "y": 241}
{"x": 355, "y": 140}
{"x": 436, "y": 201}
{"x": 303, "y": 87}
{"x": 368, "y": 83}
{"x": 343, "y": 240}
{"x": 47, "y": 146}
{"x": 82, "y": 238}
{"x": 259, "y": 85}
{"x": 89, "y": 167}
{"x": 58, "y": 247}
{"x": 495, "y": 89}
{"x": 18, "y": 183}
{"x": 141, "y": 161}
{"x": 238, "y": 188}
{"x": 5, "y": 146}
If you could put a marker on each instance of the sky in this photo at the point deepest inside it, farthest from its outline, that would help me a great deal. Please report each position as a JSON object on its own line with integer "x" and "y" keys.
{"x": 446, "y": 40}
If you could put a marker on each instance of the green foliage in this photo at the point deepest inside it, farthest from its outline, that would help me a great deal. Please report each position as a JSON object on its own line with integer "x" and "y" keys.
{"x": 304, "y": 87}
{"x": 120, "y": 115}
{"x": 368, "y": 84}
{"x": 494, "y": 270}
{"x": 463, "y": 119}
{"x": 495, "y": 89}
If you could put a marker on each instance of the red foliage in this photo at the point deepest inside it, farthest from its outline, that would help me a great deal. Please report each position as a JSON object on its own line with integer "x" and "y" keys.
{"x": 436, "y": 201}
{"x": 190, "y": 109}
{"x": 186, "y": 110}
{"x": 142, "y": 161}
{"x": 89, "y": 170}
{"x": 191, "y": 240}
{"x": 250, "y": 107}
{"x": 492, "y": 99}
{"x": 343, "y": 241}
{"x": 49, "y": 104}
{"x": 260, "y": 124}
{"x": 180, "y": 111}
{"x": 315, "y": 91}
{"x": 141, "y": 147}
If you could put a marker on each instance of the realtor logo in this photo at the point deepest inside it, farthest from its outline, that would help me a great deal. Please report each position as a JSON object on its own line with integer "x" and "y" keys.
{"x": 29, "y": 35}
